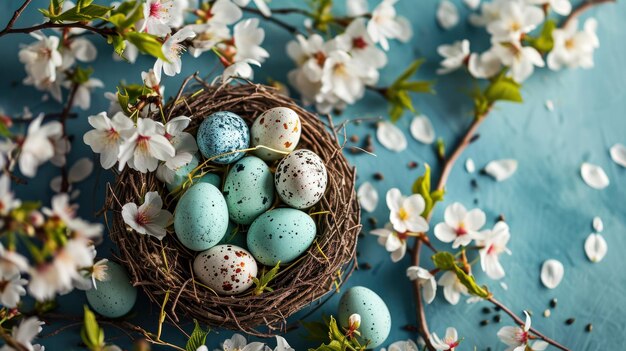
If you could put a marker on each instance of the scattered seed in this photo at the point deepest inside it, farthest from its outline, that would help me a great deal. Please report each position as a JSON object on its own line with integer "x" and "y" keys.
{"x": 354, "y": 138}
{"x": 475, "y": 201}
{"x": 373, "y": 221}
{"x": 501, "y": 218}
{"x": 589, "y": 328}
{"x": 547, "y": 313}
{"x": 412, "y": 165}
{"x": 497, "y": 318}
{"x": 369, "y": 149}
{"x": 474, "y": 138}
{"x": 486, "y": 310}
{"x": 410, "y": 328}
{"x": 553, "y": 303}
{"x": 379, "y": 176}
{"x": 474, "y": 184}
{"x": 570, "y": 321}
{"x": 484, "y": 322}
{"x": 365, "y": 266}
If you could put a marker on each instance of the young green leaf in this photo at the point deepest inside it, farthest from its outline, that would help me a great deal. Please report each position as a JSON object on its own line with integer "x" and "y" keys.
{"x": 88, "y": 13}
{"x": 146, "y": 43}
{"x": 444, "y": 260}
{"x": 91, "y": 333}
{"x": 80, "y": 75}
{"x": 411, "y": 70}
{"x": 266, "y": 278}
{"x": 197, "y": 338}
{"x": 544, "y": 41}
{"x": 503, "y": 88}
{"x": 470, "y": 283}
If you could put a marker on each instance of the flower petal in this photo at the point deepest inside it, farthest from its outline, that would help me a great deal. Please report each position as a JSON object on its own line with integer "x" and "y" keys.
{"x": 394, "y": 199}
{"x": 470, "y": 167}
{"x": 618, "y": 154}
{"x": 552, "y": 273}
{"x": 472, "y": 4}
{"x": 598, "y": 226}
{"x": 80, "y": 170}
{"x": 368, "y": 197}
{"x": 445, "y": 233}
{"x": 594, "y": 176}
{"x": 447, "y": 14}
{"x": 595, "y": 247}
{"x": 422, "y": 130}
{"x": 391, "y": 137}
{"x": 501, "y": 169}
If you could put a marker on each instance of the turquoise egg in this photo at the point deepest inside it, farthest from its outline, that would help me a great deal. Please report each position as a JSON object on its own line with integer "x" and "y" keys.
{"x": 223, "y": 132}
{"x": 234, "y": 236}
{"x": 114, "y": 297}
{"x": 201, "y": 217}
{"x": 375, "y": 317}
{"x": 248, "y": 189}
{"x": 281, "y": 234}
{"x": 211, "y": 178}
{"x": 182, "y": 173}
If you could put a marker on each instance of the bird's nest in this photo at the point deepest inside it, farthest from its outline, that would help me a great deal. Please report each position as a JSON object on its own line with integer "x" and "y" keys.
{"x": 164, "y": 268}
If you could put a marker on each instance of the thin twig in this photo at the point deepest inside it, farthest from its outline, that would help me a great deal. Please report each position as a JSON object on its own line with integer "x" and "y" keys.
{"x": 286, "y": 26}
{"x": 63, "y": 119}
{"x": 16, "y": 15}
{"x": 584, "y": 6}
{"x": 47, "y": 25}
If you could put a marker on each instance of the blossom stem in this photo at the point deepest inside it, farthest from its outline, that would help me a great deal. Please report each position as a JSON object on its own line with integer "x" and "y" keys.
{"x": 521, "y": 322}
{"x": 15, "y": 16}
{"x": 584, "y": 6}
{"x": 63, "y": 119}
{"x": 48, "y": 25}
{"x": 288, "y": 27}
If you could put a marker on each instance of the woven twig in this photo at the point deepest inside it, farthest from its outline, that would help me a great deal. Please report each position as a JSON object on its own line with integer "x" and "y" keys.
{"x": 160, "y": 266}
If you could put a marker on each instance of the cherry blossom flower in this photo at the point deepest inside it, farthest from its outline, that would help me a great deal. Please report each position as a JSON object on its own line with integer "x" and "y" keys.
{"x": 449, "y": 342}
{"x": 82, "y": 98}
{"x": 406, "y": 212}
{"x": 80, "y": 49}
{"x": 42, "y": 58}
{"x": 92, "y": 275}
{"x": 184, "y": 144}
{"x": 447, "y": 14}
{"x": 38, "y": 146}
{"x": 345, "y": 77}
{"x": 573, "y": 48}
{"x": 452, "y": 287}
{"x": 494, "y": 244}
{"x": 562, "y": 7}
{"x": 7, "y": 200}
{"x": 143, "y": 150}
{"x": 455, "y": 56}
{"x": 521, "y": 59}
{"x": 248, "y": 38}
{"x": 11, "y": 289}
{"x": 149, "y": 218}
{"x": 152, "y": 79}
{"x": 161, "y": 15}
{"x": 489, "y": 12}
{"x": 239, "y": 343}
{"x": 460, "y": 227}
{"x": 61, "y": 208}
{"x": 260, "y": 4}
{"x": 25, "y": 333}
{"x": 358, "y": 43}
{"x": 425, "y": 280}
{"x": 208, "y": 35}
{"x": 224, "y": 12}
{"x": 241, "y": 69}
{"x": 515, "y": 19}
{"x": 386, "y": 24}
{"x": 11, "y": 262}
{"x": 518, "y": 338}
{"x": 108, "y": 135}
{"x": 394, "y": 242}
{"x": 405, "y": 345}
{"x": 172, "y": 49}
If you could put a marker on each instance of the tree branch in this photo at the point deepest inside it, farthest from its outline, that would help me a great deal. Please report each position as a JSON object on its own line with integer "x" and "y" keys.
{"x": 291, "y": 29}
{"x": 16, "y": 15}
{"x": 48, "y": 25}
{"x": 63, "y": 119}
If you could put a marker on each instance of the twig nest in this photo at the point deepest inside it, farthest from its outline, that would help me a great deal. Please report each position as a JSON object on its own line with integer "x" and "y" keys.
{"x": 314, "y": 179}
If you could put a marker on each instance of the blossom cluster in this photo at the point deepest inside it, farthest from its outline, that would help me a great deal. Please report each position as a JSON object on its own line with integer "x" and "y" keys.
{"x": 523, "y": 37}
{"x": 334, "y": 73}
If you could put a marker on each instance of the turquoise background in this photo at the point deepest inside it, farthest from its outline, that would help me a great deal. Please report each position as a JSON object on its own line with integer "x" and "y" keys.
{"x": 546, "y": 203}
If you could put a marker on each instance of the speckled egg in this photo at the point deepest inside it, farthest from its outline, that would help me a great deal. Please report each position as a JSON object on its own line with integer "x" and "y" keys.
{"x": 277, "y": 128}
{"x": 301, "y": 179}
{"x": 114, "y": 297}
{"x": 201, "y": 217}
{"x": 210, "y": 178}
{"x": 182, "y": 173}
{"x": 281, "y": 234}
{"x": 227, "y": 269}
{"x": 223, "y": 132}
{"x": 248, "y": 189}
{"x": 375, "y": 317}
{"x": 234, "y": 236}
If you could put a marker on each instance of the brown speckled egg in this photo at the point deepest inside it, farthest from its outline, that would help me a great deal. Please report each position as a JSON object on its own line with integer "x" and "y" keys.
{"x": 227, "y": 269}
{"x": 301, "y": 179}
{"x": 278, "y": 128}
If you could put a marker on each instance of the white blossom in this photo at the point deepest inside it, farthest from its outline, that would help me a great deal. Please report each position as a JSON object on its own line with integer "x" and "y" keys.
{"x": 239, "y": 343}
{"x": 449, "y": 342}
{"x": 107, "y": 136}
{"x": 394, "y": 242}
{"x": 460, "y": 226}
{"x": 11, "y": 262}
{"x": 145, "y": 147}
{"x": 493, "y": 245}
{"x": 359, "y": 44}
{"x": 248, "y": 38}
{"x": 386, "y": 24}
{"x": 173, "y": 49}
{"x": 573, "y": 48}
{"x": 184, "y": 144}
{"x": 452, "y": 287}
{"x": 149, "y": 218}
{"x": 562, "y": 7}
{"x": 82, "y": 97}
{"x": 161, "y": 15}
{"x": 515, "y": 19}
{"x": 283, "y": 345}
{"x": 484, "y": 65}
{"x": 41, "y": 58}
{"x": 425, "y": 280}
{"x": 489, "y": 12}
{"x": 7, "y": 200}
{"x": 260, "y": 4}
{"x": 80, "y": 49}
{"x": 25, "y": 333}
{"x": 11, "y": 289}
{"x": 455, "y": 56}
{"x": 38, "y": 147}
{"x": 406, "y": 212}
{"x": 208, "y": 35}
{"x": 518, "y": 338}
{"x": 403, "y": 345}
{"x": 520, "y": 59}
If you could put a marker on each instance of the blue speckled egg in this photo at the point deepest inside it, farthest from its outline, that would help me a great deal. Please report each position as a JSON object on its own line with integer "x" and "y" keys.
{"x": 182, "y": 173}
{"x": 301, "y": 179}
{"x": 211, "y": 178}
{"x": 234, "y": 236}
{"x": 375, "y": 317}
{"x": 248, "y": 189}
{"x": 227, "y": 269}
{"x": 223, "y": 132}
{"x": 201, "y": 217}
{"x": 281, "y": 234}
{"x": 277, "y": 128}
{"x": 114, "y": 297}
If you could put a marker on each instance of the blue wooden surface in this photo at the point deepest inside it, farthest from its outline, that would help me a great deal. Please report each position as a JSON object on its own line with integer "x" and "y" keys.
{"x": 546, "y": 203}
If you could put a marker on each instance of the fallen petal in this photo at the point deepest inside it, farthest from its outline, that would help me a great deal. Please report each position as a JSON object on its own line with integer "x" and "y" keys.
{"x": 422, "y": 130}
{"x": 447, "y": 14}
{"x": 501, "y": 169}
{"x": 80, "y": 170}
{"x": 391, "y": 137}
{"x": 470, "y": 167}
{"x": 595, "y": 247}
{"x": 594, "y": 176}
{"x": 618, "y": 154}
{"x": 472, "y": 4}
{"x": 368, "y": 197}
{"x": 598, "y": 225}
{"x": 504, "y": 286}
{"x": 549, "y": 105}
{"x": 552, "y": 273}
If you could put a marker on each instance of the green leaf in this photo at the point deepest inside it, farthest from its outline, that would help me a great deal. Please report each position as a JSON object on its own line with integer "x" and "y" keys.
{"x": 126, "y": 19}
{"x": 422, "y": 186}
{"x": 418, "y": 86}
{"x": 87, "y": 13}
{"x": 441, "y": 148}
{"x": 197, "y": 338}
{"x": 470, "y": 283}
{"x": 444, "y": 260}
{"x": 263, "y": 282}
{"x": 503, "y": 88}
{"x": 91, "y": 333}
{"x": 146, "y": 43}
{"x": 81, "y": 75}
{"x": 118, "y": 43}
{"x": 395, "y": 112}
{"x": 413, "y": 67}
{"x": 544, "y": 41}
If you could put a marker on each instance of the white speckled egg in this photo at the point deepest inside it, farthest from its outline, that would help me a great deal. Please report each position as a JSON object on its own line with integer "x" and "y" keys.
{"x": 227, "y": 269}
{"x": 114, "y": 297}
{"x": 248, "y": 189}
{"x": 280, "y": 235}
{"x": 375, "y": 316}
{"x": 278, "y": 128}
{"x": 300, "y": 179}
{"x": 201, "y": 217}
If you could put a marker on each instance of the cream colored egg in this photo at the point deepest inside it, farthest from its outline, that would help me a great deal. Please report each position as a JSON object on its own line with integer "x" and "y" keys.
{"x": 227, "y": 269}
{"x": 277, "y": 128}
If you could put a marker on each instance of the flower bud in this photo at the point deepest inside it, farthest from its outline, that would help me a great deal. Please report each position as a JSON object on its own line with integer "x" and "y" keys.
{"x": 354, "y": 321}
{"x": 36, "y": 218}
